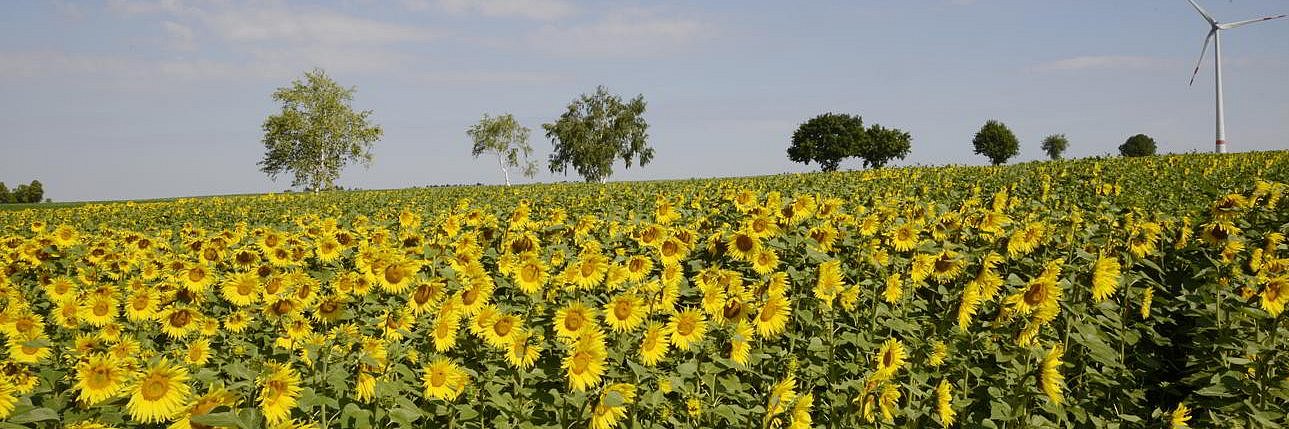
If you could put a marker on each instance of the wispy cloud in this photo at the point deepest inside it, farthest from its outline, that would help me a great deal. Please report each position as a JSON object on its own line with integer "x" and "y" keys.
{"x": 180, "y": 37}
{"x": 1105, "y": 62}
{"x": 314, "y": 26}
{"x": 529, "y": 9}
{"x": 632, "y": 33}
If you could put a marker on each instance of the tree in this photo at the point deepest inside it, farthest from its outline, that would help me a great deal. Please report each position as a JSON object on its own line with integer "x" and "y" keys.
{"x": 1138, "y": 145}
{"x": 35, "y": 192}
{"x": 827, "y": 139}
{"x": 594, "y": 131}
{"x": 505, "y": 138}
{"x": 1055, "y": 145}
{"x": 5, "y": 195}
{"x": 830, "y": 138}
{"x": 316, "y": 133}
{"x": 883, "y": 145}
{"x": 996, "y": 142}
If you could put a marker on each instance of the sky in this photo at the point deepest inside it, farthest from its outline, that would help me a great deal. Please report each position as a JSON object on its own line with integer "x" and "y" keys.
{"x": 135, "y": 99}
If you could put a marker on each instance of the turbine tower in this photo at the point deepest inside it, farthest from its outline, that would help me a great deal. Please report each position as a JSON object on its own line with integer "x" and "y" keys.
{"x": 1215, "y": 35}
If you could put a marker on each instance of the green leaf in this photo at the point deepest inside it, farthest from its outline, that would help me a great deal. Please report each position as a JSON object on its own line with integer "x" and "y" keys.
{"x": 224, "y": 419}
{"x": 35, "y": 415}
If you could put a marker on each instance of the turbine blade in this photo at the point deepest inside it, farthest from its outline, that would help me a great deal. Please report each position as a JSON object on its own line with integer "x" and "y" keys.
{"x": 1231, "y": 25}
{"x": 1201, "y": 55}
{"x": 1204, "y": 13}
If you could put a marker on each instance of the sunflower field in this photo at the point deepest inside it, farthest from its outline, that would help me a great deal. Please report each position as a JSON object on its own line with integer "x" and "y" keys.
{"x": 1091, "y": 293}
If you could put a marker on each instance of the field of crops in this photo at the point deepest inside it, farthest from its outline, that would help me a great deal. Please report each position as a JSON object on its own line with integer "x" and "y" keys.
{"x": 1091, "y": 293}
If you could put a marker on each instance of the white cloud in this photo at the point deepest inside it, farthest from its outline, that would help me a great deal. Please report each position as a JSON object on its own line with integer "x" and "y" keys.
{"x": 181, "y": 36}
{"x": 146, "y": 7}
{"x": 255, "y": 24}
{"x": 1105, "y": 62}
{"x": 629, "y": 33}
{"x": 531, "y": 9}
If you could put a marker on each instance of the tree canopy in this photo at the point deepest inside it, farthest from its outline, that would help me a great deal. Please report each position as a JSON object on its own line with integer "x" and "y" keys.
{"x": 504, "y": 137}
{"x": 829, "y": 138}
{"x": 317, "y": 132}
{"x": 33, "y": 192}
{"x": 595, "y": 131}
{"x": 996, "y": 141}
{"x": 1138, "y": 145}
{"x": 1055, "y": 145}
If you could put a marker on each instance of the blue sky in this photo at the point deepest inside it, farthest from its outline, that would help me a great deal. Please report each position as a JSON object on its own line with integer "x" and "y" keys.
{"x": 129, "y": 99}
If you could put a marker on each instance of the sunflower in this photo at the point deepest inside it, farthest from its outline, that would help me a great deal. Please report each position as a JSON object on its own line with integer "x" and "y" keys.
{"x": 624, "y": 312}
{"x": 1024, "y": 240}
{"x": 772, "y": 319}
{"x": 198, "y": 352}
{"x": 765, "y": 261}
{"x": 638, "y": 267}
{"x": 531, "y": 275}
{"x": 939, "y": 351}
{"x": 944, "y": 403}
{"x": 585, "y": 361}
{"x": 242, "y": 289}
{"x": 1050, "y": 379}
{"x": 217, "y": 396}
{"x": 329, "y": 310}
{"x": 894, "y": 289}
{"x": 829, "y": 283}
{"x": 1273, "y": 297}
{"x": 687, "y": 328}
{"x": 523, "y": 351}
{"x": 824, "y": 236}
{"x": 443, "y": 379}
{"x": 612, "y": 405}
{"x": 673, "y": 250}
{"x": 743, "y": 246}
{"x": 1179, "y": 417}
{"x": 1105, "y": 277}
{"x": 397, "y": 275}
{"x": 237, "y": 321}
{"x": 446, "y": 325}
{"x": 279, "y": 389}
{"x": 327, "y": 249}
{"x": 654, "y": 346}
{"x": 889, "y": 401}
{"x": 904, "y": 238}
{"x": 890, "y": 357}
{"x": 1146, "y": 297}
{"x": 196, "y": 277}
{"x": 100, "y": 309}
{"x": 98, "y": 378}
{"x": 782, "y": 394}
{"x": 501, "y": 330}
{"x": 159, "y": 393}
{"x": 178, "y": 322}
{"x": 573, "y": 319}
{"x": 29, "y": 351}
{"x": 801, "y": 412}
{"x": 60, "y": 288}
{"x": 588, "y": 271}
{"x": 8, "y": 397}
{"x": 947, "y": 267}
{"x": 741, "y": 343}
{"x": 365, "y": 387}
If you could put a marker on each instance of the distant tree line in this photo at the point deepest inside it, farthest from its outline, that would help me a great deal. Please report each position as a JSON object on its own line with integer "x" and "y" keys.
{"x": 29, "y": 193}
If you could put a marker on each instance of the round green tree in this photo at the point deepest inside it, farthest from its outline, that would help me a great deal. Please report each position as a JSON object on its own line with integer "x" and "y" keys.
{"x": 996, "y": 142}
{"x": 1138, "y": 145}
{"x": 827, "y": 139}
{"x": 1055, "y": 145}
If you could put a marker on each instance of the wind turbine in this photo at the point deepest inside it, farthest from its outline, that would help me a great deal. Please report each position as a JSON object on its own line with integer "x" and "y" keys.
{"x": 1216, "y": 36}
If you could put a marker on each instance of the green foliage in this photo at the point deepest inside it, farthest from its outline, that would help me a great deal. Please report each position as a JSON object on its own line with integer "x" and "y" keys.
{"x": 504, "y": 137}
{"x": 827, "y": 139}
{"x": 1138, "y": 145}
{"x": 996, "y": 142}
{"x": 33, "y": 192}
{"x": 830, "y": 138}
{"x": 316, "y": 133}
{"x": 596, "y": 130}
{"x": 883, "y": 145}
{"x": 1054, "y": 145}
